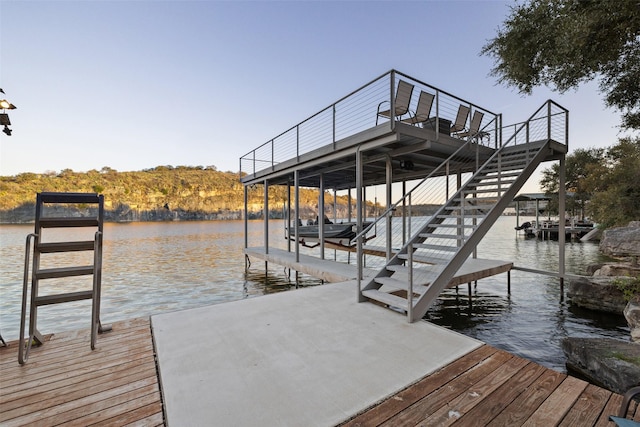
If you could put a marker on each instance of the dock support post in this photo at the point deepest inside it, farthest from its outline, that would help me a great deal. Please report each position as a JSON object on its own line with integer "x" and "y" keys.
{"x": 561, "y": 225}
{"x": 246, "y": 224}
{"x": 389, "y": 202}
{"x": 359, "y": 196}
{"x": 321, "y": 215}
{"x": 509, "y": 282}
{"x": 266, "y": 216}
{"x": 296, "y": 185}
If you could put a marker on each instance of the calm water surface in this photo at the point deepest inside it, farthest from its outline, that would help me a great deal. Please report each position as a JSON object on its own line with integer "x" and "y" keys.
{"x": 150, "y": 268}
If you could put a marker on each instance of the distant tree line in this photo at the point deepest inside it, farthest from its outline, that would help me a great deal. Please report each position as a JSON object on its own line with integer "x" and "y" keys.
{"x": 605, "y": 183}
{"x": 160, "y": 193}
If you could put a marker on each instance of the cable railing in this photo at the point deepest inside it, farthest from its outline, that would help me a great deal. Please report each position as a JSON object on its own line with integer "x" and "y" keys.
{"x": 358, "y": 112}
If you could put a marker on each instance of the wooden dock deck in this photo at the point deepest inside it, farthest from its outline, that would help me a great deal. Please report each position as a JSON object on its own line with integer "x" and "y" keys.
{"x": 331, "y": 271}
{"x": 65, "y": 383}
{"x": 490, "y": 387}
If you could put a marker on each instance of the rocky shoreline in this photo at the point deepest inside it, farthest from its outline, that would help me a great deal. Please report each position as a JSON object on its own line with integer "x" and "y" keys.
{"x": 611, "y": 363}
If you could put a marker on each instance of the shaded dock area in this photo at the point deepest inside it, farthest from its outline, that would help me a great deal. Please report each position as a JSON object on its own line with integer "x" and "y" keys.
{"x": 472, "y": 270}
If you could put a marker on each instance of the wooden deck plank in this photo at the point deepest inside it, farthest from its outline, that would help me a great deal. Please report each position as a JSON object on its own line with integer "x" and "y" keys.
{"x": 556, "y": 406}
{"x": 471, "y": 397}
{"x": 147, "y": 415}
{"x": 527, "y": 402}
{"x": 117, "y": 410}
{"x": 403, "y": 399}
{"x": 32, "y": 379}
{"x": 495, "y": 403}
{"x": 432, "y": 402}
{"x": 588, "y": 407}
{"x": 611, "y": 408}
{"x": 71, "y": 392}
{"x": 64, "y": 381}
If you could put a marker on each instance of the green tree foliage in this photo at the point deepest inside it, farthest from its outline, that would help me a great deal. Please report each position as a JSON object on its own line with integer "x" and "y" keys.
{"x": 562, "y": 43}
{"x": 616, "y": 185}
{"x": 578, "y": 166}
{"x": 605, "y": 182}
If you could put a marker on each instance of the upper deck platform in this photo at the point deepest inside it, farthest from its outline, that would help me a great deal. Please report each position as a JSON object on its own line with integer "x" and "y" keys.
{"x": 395, "y": 117}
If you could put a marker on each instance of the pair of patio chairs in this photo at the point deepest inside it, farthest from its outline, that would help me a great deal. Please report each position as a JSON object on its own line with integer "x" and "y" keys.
{"x": 423, "y": 110}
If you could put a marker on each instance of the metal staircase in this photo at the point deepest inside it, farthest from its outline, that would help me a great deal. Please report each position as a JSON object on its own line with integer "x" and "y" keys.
{"x": 54, "y": 220}
{"x": 413, "y": 278}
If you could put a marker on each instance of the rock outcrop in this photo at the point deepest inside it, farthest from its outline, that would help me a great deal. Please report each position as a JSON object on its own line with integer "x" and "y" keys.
{"x": 610, "y": 363}
{"x": 622, "y": 241}
{"x": 597, "y": 293}
{"x": 632, "y": 314}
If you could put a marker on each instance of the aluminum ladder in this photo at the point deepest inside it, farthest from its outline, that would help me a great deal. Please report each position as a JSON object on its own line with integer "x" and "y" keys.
{"x": 54, "y": 215}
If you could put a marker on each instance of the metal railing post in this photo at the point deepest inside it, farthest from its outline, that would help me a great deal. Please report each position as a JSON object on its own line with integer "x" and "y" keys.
{"x": 392, "y": 99}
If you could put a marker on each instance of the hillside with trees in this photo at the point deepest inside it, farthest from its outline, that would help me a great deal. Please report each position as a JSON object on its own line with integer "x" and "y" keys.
{"x": 161, "y": 193}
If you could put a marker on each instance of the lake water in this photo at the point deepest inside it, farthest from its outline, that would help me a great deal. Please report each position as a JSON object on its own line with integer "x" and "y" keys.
{"x": 150, "y": 268}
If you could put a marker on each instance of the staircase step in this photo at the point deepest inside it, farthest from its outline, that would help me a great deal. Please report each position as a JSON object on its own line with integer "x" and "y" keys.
{"x": 469, "y": 207}
{"x": 436, "y": 247}
{"x": 502, "y": 167}
{"x": 400, "y": 284}
{"x": 69, "y": 222}
{"x": 86, "y": 245}
{"x": 422, "y": 276}
{"x": 469, "y": 216}
{"x": 442, "y": 225}
{"x": 497, "y": 174}
{"x": 51, "y": 273}
{"x": 474, "y": 200}
{"x": 426, "y": 259}
{"x": 490, "y": 183}
{"x": 488, "y": 190}
{"x": 388, "y": 299}
{"x": 442, "y": 236}
{"x": 68, "y": 297}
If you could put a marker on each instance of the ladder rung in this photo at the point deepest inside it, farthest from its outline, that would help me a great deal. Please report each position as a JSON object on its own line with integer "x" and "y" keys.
{"x": 51, "y": 273}
{"x": 68, "y": 222}
{"x": 86, "y": 245}
{"x": 50, "y": 197}
{"x": 58, "y": 298}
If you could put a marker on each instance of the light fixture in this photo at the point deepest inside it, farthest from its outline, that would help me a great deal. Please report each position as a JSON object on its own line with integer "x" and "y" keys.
{"x": 406, "y": 165}
{"x": 4, "y": 119}
{"x": 6, "y": 105}
{"x": 7, "y": 131}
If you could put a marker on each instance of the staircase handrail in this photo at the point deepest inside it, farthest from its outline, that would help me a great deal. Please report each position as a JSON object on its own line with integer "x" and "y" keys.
{"x": 522, "y": 125}
{"x": 395, "y": 205}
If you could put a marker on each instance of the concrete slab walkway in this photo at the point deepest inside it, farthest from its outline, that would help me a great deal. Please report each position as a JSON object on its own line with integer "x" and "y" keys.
{"x": 312, "y": 356}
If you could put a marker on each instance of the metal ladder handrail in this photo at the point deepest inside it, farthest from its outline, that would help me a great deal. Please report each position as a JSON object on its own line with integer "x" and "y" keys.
{"x": 32, "y": 243}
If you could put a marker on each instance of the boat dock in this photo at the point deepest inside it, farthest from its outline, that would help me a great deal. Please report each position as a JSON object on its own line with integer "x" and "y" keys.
{"x": 472, "y": 270}
{"x": 312, "y": 356}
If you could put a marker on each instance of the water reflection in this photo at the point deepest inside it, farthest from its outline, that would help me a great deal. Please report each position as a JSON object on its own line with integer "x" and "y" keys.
{"x": 151, "y": 268}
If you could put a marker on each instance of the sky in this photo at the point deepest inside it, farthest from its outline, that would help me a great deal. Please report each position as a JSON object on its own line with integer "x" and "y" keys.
{"x": 132, "y": 85}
